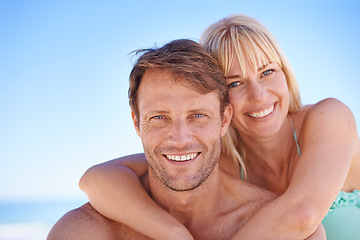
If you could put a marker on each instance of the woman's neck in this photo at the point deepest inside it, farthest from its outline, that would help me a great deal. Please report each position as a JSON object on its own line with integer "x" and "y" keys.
{"x": 268, "y": 159}
{"x": 270, "y": 149}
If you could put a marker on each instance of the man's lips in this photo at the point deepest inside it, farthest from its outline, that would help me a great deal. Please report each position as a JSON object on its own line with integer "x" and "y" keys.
{"x": 181, "y": 158}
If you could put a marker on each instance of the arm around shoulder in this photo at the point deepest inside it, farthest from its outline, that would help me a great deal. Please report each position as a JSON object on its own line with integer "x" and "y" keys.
{"x": 115, "y": 191}
{"x": 328, "y": 140}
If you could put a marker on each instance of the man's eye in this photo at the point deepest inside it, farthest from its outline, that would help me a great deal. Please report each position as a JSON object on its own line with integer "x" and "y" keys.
{"x": 158, "y": 117}
{"x": 233, "y": 84}
{"x": 197, "y": 117}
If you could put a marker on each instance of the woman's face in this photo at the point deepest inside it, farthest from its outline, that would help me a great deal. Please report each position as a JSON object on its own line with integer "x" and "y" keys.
{"x": 260, "y": 100}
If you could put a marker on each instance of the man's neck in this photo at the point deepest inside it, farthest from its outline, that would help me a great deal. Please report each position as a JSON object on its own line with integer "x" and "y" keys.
{"x": 191, "y": 206}
{"x": 214, "y": 210}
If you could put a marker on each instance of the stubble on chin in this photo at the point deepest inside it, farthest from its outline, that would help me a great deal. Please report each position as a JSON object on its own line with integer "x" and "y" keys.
{"x": 174, "y": 183}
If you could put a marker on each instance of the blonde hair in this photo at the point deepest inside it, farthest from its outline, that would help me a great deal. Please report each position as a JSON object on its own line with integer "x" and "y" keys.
{"x": 244, "y": 38}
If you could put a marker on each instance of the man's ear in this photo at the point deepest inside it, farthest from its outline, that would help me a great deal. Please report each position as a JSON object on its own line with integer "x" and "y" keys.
{"x": 228, "y": 112}
{"x": 136, "y": 123}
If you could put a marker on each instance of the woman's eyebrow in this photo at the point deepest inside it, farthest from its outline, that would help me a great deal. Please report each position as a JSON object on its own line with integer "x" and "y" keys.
{"x": 265, "y": 66}
{"x": 262, "y": 67}
{"x": 233, "y": 77}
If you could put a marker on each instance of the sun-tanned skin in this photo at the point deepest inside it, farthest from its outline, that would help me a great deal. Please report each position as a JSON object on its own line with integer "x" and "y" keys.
{"x": 180, "y": 118}
{"x": 167, "y": 128}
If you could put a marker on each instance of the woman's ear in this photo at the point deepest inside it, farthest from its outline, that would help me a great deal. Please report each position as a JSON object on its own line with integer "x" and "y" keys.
{"x": 136, "y": 123}
{"x": 227, "y": 115}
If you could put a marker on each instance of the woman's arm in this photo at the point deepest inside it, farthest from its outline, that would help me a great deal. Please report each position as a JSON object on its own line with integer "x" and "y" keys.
{"x": 319, "y": 234}
{"x": 328, "y": 142}
{"x": 115, "y": 191}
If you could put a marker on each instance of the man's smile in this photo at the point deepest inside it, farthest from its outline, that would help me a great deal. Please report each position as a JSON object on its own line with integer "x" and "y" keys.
{"x": 181, "y": 158}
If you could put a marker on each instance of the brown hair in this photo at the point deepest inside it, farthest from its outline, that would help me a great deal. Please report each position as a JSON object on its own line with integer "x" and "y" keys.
{"x": 188, "y": 62}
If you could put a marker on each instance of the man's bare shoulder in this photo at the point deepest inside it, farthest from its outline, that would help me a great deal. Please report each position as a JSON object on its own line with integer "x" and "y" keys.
{"x": 81, "y": 223}
{"x": 86, "y": 223}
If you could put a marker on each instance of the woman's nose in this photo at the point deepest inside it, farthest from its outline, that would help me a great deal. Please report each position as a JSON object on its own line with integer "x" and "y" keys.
{"x": 256, "y": 92}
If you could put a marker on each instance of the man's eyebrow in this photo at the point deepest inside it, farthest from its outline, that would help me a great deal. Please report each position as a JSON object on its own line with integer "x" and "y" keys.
{"x": 199, "y": 109}
{"x": 156, "y": 111}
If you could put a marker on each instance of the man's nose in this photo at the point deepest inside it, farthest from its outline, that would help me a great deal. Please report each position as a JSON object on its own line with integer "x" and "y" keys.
{"x": 180, "y": 133}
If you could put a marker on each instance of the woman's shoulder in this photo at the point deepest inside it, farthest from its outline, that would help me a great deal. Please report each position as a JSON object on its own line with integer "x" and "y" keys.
{"x": 327, "y": 118}
{"x": 328, "y": 106}
{"x": 328, "y": 111}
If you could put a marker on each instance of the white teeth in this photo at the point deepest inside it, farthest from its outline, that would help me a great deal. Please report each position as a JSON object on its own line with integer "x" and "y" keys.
{"x": 262, "y": 114}
{"x": 182, "y": 158}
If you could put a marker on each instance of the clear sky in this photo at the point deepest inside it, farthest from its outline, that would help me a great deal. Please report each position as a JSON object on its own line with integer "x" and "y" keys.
{"x": 64, "y": 69}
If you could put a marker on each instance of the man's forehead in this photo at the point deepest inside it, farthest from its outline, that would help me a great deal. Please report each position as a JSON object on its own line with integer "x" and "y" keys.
{"x": 175, "y": 97}
{"x": 160, "y": 89}
{"x": 164, "y": 81}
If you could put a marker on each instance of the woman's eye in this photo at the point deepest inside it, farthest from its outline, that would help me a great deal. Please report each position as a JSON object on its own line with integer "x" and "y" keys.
{"x": 268, "y": 72}
{"x": 233, "y": 84}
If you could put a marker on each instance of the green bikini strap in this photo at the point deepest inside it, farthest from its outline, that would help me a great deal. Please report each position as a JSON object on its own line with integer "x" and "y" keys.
{"x": 295, "y": 137}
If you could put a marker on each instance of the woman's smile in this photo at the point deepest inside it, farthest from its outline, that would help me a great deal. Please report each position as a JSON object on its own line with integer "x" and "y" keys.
{"x": 262, "y": 113}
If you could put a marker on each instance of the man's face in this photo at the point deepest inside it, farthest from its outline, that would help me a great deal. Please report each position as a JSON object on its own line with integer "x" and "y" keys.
{"x": 180, "y": 130}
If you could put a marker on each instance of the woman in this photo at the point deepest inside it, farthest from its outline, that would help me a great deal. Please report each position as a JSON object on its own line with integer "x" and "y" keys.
{"x": 308, "y": 155}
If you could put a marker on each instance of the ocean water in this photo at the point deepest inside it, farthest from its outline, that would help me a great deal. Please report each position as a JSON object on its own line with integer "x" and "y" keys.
{"x": 32, "y": 220}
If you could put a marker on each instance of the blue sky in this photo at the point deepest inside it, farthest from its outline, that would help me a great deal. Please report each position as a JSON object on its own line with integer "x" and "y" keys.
{"x": 64, "y": 69}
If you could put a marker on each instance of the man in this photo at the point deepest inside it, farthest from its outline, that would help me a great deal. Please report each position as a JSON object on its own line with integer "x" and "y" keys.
{"x": 180, "y": 109}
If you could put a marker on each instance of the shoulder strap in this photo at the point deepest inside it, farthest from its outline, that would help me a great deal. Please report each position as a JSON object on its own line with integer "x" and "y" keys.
{"x": 295, "y": 137}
